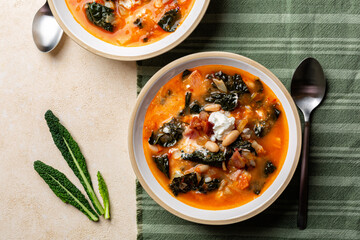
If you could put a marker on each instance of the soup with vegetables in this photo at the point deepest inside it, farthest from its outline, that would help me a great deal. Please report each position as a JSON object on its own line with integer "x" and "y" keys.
{"x": 215, "y": 137}
{"x": 130, "y": 22}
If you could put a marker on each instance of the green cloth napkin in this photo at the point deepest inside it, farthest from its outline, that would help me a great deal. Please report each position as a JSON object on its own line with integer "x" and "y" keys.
{"x": 279, "y": 34}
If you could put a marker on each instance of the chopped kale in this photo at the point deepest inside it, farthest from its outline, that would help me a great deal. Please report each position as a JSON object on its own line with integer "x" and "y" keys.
{"x": 189, "y": 182}
{"x": 138, "y": 23}
{"x": 100, "y": 15}
{"x": 162, "y": 163}
{"x": 185, "y": 111}
{"x": 170, "y": 20}
{"x": 187, "y": 99}
{"x": 205, "y": 187}
{"x": 233, "y": 83}
{"x": 228, "y": 102}
{"x": 276, "y": 112}
{"x": 184, "y": 184}
{"x": 240, "y": 145}
{"x": 185, "y": 74}
{"x": 168, "y": 134}
{"x": 195, "y": 107}
{"x": 236, "y": 84}
{"x": 221, "y": 76}
{"x": 269, "y": 168}
{"x": 209, "y": 158}
{"x": 260, "y": 128}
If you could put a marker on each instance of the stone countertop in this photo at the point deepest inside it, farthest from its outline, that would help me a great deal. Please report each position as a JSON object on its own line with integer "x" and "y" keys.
{"x": 93, "y": 97}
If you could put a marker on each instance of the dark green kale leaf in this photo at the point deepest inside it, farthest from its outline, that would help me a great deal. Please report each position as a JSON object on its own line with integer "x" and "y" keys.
{"x": 189, "y": 182}
{"x": 73, "y": 156}
{"x": 138, "y": 23}
{"x": 221, "y": 76}
{"x": 209, "y": 158}
{"x": 236, "y": 84}
{"x": 233, "y": 83}
{"x": 228, "y": 102}
{"x": 195, "y": 107}
{"x": 276, "y": 112}
{"x": 187, "y": 99}
{"x": 205, "y": 187}
{"x": 185, "y": 74}
{"x": 64, "y": 189}
{"x": 261, "y": 128}
{"x": 239, "y": 145}
{"x": 162, "y": 163}
{"x": 170, "y": 20}
{"x": 100, "y": 15}
{"x": 269, "y": 168}
{"x": 168, "y": 134}
{"x": 184, "y": 111}
{"x": 184, "y": 183}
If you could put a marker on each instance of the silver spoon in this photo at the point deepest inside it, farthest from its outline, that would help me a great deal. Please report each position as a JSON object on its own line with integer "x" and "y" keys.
{"x": 45, "y": 30}
{"x": 308, "y": 87}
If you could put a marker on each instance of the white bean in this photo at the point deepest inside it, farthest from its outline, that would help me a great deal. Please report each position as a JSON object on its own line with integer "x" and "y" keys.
{"x": 230, "y": 138}
{"x": 211, "y": 146}
{"x": 212, "y": 107}
{"x": 202, "y": 168}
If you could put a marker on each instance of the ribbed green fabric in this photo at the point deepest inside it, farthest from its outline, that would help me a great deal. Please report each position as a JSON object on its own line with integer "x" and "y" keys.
{"x": 279, "y": 34}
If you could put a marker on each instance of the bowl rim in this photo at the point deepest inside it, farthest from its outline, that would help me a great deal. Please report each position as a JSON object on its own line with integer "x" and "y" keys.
{"x": 168, "y": 47}
{"x": 215, "y": 54}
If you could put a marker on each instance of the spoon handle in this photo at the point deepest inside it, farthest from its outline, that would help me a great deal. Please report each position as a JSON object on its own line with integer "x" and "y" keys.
{"x": 303, "y": 194}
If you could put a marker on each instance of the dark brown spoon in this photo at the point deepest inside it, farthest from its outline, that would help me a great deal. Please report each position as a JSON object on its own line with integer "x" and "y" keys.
{"x": 308, "y": 87}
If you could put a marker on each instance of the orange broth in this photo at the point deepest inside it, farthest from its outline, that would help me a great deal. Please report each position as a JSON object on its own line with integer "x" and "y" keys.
{"x": 165, "y": 106}
{"x": 126, "y": 33}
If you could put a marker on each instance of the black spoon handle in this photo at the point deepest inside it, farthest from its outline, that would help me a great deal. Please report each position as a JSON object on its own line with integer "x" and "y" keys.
{"x": 303, "y": 194}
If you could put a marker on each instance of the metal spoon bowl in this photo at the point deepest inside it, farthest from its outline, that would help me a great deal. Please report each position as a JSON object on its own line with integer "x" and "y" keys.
{"x": 45, "y": 30}
{"x": 308, "y": 88}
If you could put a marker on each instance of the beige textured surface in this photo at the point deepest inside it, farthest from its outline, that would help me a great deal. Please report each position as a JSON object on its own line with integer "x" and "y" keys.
{"x": 93, "y": 97}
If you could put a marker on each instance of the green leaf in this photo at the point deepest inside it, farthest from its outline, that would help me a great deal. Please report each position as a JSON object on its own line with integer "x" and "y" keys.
{"x": 100, "y": 15}
{"x": 73, "y": 156}
{"x": 64, "y": 189}
{"x": 162, "y": 163}
{"x": 104, "y": 194}
{"x": 170, "y": 20}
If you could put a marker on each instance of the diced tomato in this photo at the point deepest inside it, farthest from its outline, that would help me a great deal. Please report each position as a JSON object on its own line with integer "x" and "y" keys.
{"x": 244, "y": 180}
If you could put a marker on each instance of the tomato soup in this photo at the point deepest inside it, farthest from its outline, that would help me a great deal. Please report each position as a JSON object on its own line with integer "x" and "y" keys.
{"x": 215, "y": 137}
{"x": 130, "y": 23}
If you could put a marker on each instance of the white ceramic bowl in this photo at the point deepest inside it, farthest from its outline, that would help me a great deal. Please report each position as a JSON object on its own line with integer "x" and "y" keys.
{"x": 73, "y": 29}
{"x": 158, "y": 193}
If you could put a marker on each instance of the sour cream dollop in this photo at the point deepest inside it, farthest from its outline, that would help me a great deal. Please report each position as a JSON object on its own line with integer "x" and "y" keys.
{"x": 222, "y": 125}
